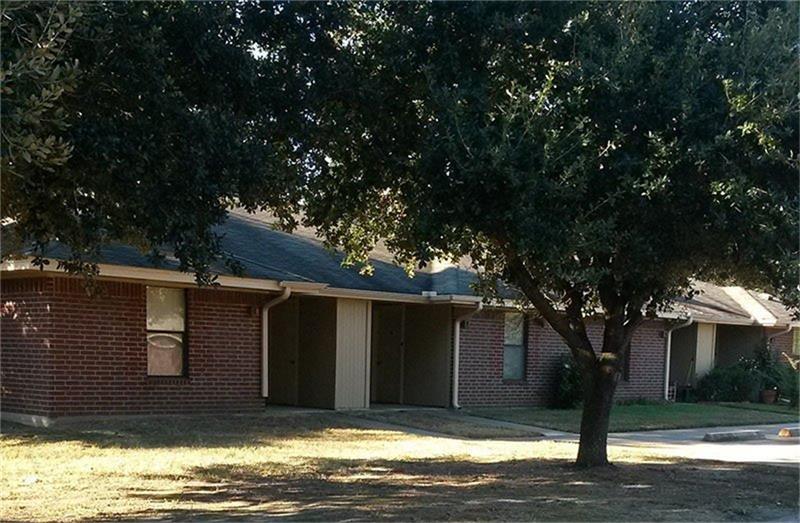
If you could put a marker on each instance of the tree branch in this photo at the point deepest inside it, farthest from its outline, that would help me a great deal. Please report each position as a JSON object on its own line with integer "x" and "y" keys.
{"x": 573, "y": 332}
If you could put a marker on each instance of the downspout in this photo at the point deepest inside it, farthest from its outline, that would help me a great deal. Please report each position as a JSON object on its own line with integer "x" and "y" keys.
{"x": 287, "y": 291}
{"x": 456, "y": 347}
{"x": 773, "y": 336}
{"x": 669, "y": 353}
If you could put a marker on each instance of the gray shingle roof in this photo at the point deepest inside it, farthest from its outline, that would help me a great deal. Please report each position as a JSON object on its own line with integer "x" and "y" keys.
{"x": 267, "y": 253}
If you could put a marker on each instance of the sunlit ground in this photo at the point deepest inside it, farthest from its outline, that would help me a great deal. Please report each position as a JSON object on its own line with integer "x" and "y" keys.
{"x": 326, "y": 467}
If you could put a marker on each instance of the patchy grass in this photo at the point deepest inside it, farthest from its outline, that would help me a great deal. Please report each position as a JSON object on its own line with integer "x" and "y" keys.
{"x": 634, "y": 417}
{"x": 444, "y": 422}
{"x": 322, "y": 467}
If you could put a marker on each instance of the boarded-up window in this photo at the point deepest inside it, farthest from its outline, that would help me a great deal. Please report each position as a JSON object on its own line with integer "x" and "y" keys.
{"x": 514, "y": 346}
{"x": 166, "y": 332}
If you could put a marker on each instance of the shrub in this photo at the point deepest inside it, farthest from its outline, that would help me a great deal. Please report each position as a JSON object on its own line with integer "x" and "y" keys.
{"x": 789, "y": 385}
{"x": 569, "y": 388}
{"x": 766, "y": 367}
{"x": 736, "y": 382}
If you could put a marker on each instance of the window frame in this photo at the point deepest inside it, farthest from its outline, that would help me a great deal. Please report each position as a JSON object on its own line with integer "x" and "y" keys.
{"x": 796, "y": 341}
{"x": 184, "y": 336}
{"x": 523, "y": 346}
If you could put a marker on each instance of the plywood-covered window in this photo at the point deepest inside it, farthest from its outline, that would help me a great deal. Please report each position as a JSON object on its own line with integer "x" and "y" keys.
{"x": 514, "y": 346}
{"x": 166, "y": 332}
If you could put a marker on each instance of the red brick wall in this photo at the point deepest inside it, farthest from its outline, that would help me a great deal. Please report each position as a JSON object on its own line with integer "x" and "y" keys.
{"x": 481, "y": 363}
{"x": 99, "y": 353}
{"x": 781, "y": 342}
{"x": 26, "y": 363}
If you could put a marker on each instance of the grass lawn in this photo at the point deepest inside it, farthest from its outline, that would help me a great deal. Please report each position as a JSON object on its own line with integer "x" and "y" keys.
{"x": 775, "y": 407}
{"x": 626, "y": 418}
{"x": 323, "y": 467}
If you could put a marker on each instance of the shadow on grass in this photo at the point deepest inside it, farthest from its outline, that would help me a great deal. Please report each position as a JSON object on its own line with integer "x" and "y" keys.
{"x": 181, "y": 431}
{"x": 461, "y": 489}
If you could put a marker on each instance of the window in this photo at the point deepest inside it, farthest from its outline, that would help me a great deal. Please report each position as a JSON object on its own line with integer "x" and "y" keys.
{"x": 166, "y": 332}
{"x": 796, "y": 344}
{"x": 514, "y": 346}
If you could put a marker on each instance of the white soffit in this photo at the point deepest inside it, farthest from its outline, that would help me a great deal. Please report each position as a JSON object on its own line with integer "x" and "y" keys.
{"x": 756, "y": 310}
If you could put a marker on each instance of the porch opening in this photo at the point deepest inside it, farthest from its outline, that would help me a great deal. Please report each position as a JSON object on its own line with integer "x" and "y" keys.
{"x": 411, "y": 354}
{"x": 302, "y": 352}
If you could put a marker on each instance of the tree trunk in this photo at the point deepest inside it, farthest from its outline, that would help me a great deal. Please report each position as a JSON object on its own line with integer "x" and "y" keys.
{"x": 600, "y": 382}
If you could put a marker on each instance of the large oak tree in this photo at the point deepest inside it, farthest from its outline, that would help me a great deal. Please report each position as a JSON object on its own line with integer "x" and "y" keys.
{"x": 595, "y": 156}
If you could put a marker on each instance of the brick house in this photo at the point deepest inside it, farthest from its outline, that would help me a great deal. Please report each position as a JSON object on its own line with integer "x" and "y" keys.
{"x": 295, "y": 328}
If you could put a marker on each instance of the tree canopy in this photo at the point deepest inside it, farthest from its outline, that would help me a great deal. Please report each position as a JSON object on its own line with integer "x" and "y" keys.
{"x": 142, "y": 122}
{"x": 596, "y": 156}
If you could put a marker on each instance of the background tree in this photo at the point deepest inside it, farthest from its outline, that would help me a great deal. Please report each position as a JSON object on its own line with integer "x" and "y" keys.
{"x": 142, "y": 122}
{"x": 595, "y": 156}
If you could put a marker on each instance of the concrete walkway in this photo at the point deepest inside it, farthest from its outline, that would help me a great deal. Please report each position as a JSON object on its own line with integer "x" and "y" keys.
{"x": 689, "y": 444}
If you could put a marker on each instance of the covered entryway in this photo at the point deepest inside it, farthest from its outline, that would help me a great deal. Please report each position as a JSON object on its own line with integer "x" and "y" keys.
{"x": 302, "y": 352}
{"x": 411, "y": 354}
{"x": 344, "y": 353}
{"x": 700, "y": 347}
{"x": 691, "y": 355}
{"x": 318, "y": 353}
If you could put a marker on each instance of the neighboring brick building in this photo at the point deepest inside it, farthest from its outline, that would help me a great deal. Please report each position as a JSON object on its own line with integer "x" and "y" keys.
{"x": 297, "y": 328}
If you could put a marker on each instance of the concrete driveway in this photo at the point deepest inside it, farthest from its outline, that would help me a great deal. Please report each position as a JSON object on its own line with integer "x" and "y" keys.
{"x": 688, "y": 443}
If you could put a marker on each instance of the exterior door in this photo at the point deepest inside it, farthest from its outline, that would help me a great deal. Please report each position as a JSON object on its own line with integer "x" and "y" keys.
{"x": 284, "y": 323}
{"x": 387, "y": 353}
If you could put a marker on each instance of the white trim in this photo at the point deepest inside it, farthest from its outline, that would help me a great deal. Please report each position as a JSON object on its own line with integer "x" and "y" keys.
{"x": 668, "y": 358}
{"x": 145, "y": 275}
{"x": 368, "y": 356}
{"x": 355, "y": 294}
{"x": 287, "y": 292}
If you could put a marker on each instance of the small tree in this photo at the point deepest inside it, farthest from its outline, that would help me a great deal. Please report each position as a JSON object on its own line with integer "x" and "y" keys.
{"x": 595, "y": 156}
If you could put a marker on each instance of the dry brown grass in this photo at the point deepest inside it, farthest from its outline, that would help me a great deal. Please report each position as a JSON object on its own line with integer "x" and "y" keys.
{"x": 442, "y": 421}
{"x": 322, "y": 467}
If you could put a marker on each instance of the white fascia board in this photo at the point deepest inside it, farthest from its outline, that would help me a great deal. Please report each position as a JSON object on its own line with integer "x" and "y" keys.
{"x": 455, "y": 299}
{"x": 337, "y": 292}
{"x": 304, "y": 287}
{"x": 144, "y": 275}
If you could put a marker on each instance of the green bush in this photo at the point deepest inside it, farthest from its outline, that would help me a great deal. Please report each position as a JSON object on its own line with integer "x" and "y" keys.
{"x": 764, "y": 364}
{"x": 789, "y": 385}
{"x": 738, "y": 382}
{"x": 569, "y": 387}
